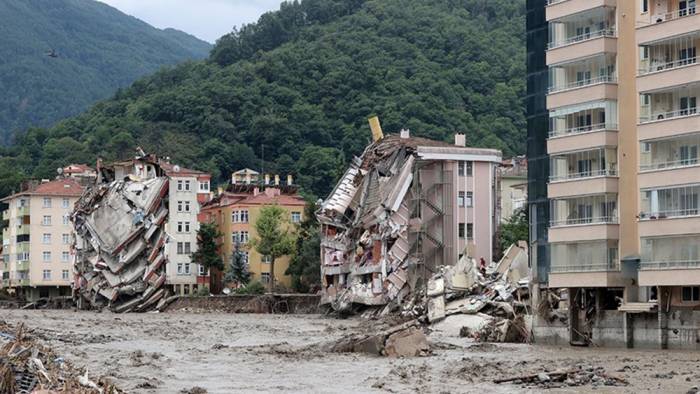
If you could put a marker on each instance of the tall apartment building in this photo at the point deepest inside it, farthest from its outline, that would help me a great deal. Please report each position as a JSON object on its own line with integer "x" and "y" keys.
{"x": 188, "y": 191}
{"x": 36, "y": 256}
{"x": 405, "y": 207}
{"x": 623, "y": 183}
{"x": 236, "y": 210}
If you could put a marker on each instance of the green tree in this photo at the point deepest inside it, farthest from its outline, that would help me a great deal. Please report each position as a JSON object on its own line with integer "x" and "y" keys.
{"x": 319, "y": 167}
{"x": 207, "y": 254}
{"x": 514, "y": 229}
{"x": 237, "y": 272}
{"x": 305, "y": 266}
{"x": 275, "y": 239}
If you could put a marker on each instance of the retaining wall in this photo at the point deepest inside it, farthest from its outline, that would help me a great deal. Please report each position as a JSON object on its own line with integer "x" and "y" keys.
{"x": 268, "y": 303}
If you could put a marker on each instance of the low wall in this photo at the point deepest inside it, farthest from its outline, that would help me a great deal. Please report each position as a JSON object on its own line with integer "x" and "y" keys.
{"x": 268, "y": 303}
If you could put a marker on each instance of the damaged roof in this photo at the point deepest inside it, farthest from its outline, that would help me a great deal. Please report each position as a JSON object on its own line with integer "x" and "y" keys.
{"x": 66, "y": 187}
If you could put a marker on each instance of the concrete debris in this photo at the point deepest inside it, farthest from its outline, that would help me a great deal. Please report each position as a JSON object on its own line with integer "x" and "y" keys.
{"x": 29, "y": 367}
{"x": 495, "y": 300}
{"x": 403, "y": 340}
{"x": 580, "y": 376}
{"x": 120, "y": 241}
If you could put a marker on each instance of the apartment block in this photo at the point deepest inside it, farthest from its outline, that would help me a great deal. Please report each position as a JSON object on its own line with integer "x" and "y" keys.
{"x": 37, "y": 261}
{"x": 236, "y": 210}
{"x": 512, "y": 186}
{"x": 188, "y": 191}
{"x": 405, "y": 207}
{"x": 622, "y": 178}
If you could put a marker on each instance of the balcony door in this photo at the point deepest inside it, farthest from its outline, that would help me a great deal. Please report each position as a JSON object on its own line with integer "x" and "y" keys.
{"x": 689, "y": 105}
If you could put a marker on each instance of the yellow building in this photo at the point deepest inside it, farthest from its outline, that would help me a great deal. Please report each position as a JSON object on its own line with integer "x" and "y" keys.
{"x": 235, "y": 212}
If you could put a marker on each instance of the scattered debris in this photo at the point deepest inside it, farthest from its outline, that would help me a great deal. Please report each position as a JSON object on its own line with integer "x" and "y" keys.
{"x": 570, "y": 378}
{"x": 28, "y": 367}
{"x": 120, "y": 239}
{"x": 403, "y": 340}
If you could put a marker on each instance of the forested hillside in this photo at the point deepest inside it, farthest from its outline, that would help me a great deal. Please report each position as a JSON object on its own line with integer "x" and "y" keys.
{"x": 94, "y": 48}
{"x": 297, "y": 87}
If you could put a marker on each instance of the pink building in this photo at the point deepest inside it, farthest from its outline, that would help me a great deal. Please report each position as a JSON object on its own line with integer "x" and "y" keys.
{"x": 405, "y": 207}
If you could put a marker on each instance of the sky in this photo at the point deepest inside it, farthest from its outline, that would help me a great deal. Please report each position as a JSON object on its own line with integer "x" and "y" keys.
{"x": 205, "y": 19}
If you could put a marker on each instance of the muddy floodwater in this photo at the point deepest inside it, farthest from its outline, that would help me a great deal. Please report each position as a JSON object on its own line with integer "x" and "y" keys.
{"x": 225, "y": 353}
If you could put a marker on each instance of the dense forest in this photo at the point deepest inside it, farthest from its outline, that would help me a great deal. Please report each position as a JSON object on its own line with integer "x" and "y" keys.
{"x": 94, "y": 48}
{"x": 292, "y": 92}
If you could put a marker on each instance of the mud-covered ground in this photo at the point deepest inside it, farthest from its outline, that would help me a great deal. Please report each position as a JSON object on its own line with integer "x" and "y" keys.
{"x": 224, "y": 353}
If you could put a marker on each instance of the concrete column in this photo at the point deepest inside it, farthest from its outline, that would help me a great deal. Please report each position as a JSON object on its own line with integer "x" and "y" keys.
{"x": 629, "y": 330}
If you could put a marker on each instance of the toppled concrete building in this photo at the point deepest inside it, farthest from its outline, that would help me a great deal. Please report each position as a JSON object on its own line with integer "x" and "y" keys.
{"x": 405, "y": 207}
{"x": 124, "y": 238}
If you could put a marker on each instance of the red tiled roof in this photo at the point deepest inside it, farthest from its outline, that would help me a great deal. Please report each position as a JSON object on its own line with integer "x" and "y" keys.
{"x": 77, "y": 168}
{"x": 59, "y": 187}
{"x": 169, "y": 169}
{"x": 228, "y": 199}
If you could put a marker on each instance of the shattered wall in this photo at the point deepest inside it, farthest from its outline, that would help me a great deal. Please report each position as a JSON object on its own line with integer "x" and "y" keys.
{"x": 381, "y": 229}
{"x": 120, "y": 240}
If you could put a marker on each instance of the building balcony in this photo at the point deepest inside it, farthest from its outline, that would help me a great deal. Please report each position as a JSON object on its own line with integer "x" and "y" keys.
{"x": 670, "y": 260}
{"x": 20, "y": 282}
{"x": 23, "y": 229}
{"x": 22, "y": 247}
{"x": 22, "y": 211}
{"x": 675, "y": 173}
{"x": 572, "y": 231}
{"x": 669, "y": 223}
{"x": 581, "y": 138}
{"x": 665, "y": 25}
{"x": 663, "y": 126}
{"x": 602, "y": 182}
{"x": 22, "y": 265}
{"x": 6, "y": 215}
{"x": 604, "y": 42}
{"x": 594, "y": 278}
{"x": 561, "y": 8}
{"x": 668, "y": 75}
{"x": 604, "y": 89}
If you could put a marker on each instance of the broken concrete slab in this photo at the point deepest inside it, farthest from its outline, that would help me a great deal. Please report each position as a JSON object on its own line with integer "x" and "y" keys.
{"x": 411, "y": 342}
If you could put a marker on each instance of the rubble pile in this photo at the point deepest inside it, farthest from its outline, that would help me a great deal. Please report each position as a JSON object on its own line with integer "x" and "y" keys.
{"x": 579, "y": 376}
{"x": 28, "y": 367}
{"x": 495, "y": 302}
{"x": 120, "y": 241}
{"x": 403, "y": 340}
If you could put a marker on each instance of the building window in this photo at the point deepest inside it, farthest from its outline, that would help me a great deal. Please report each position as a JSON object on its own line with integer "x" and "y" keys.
{"x": 183, "y": 227}
{"x": 179, "y": 248}
{"x": 235, "y": 216}
{"x": 65, "y": 203}
{"x": 46, "y": 239}
{"x": 180, "y": 267}
{"x": 187, "y": 186}
{"x": 244, "y": 237}
{"x": 47, "y": 202}
{"x": 46, "y": 275}
{"x": 460, "y": 199}
{"x": 180, "y": 206}
{"x": 203, "y": 271}
{"x": 187, "y": 206}
{"x": 245, "y": 256}
{"x": 296, "y": 217}
{"x": 470, "y": 199}
{"x": 203, "y": 186}
{"x": 234, "y": 237}
{"x": 46, "y": 256}
{"x": 691, "y": 294}
{"x": 267, "y": 259}
{"x": 470, "y": 231}
{"x": 66, "y": 220}
{"x": 64, "y": 274}
{"x": 65, "y": 238}
{"x": 187, "y": 269}
{"x": 645, "y": 6}
{"x": 188, "y": 248}
{"x": 461, "y": 231}
{"x": 180, "y": 186}
{"x": 244, "y": 216}
{"x": 46, "y": 221}
{"x": 23, "y": 256}
{"x": 465, "y": 168}
{"x": 65, "y": 257}
{"x": 265, "y": 277}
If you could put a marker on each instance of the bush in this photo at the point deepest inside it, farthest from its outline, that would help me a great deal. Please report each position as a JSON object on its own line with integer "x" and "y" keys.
{"x": 252, "y": 288}
{"x": 202, "y": 292}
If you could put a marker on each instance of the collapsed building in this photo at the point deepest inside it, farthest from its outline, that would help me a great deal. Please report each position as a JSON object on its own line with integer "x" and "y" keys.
{"x": 402, "y": 209}
{"x": 125, "y": 240}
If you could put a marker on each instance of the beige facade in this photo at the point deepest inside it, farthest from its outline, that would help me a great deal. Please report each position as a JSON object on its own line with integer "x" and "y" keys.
{"x": 37, "y": 236}
{"x": 623, "y": 144}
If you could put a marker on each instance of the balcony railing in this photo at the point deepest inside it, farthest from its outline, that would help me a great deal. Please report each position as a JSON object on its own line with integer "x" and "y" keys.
{"x": 654, "y": 67}
{"x": 582, "y": 37}
{"x": 583, "y": 129}
{"x": 670, "y": 16}
{"x": 23, "y": 211}
{"x": 5, "y": 215}
{"x": 669, "y": 115}
{"x": 603, "y": 267}
{"x": 23, "y": 266}
{"x": 552, "y": 2}
{"x": 583, "y": 83}
{"x": 582, "y": 175}
{"x": 584, "y": 221}
{"x": 664, "y": 265}
{"x": 671, "y": 213}
{"x": 669, "y": 164}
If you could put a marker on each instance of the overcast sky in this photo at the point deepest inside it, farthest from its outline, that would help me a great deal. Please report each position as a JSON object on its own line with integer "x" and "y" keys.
{"x": 205, "y": 19}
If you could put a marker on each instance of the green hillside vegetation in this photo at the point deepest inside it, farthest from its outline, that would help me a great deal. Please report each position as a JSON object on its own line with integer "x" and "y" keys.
{"x": 296, "y": 89}
{"x": 99, "y": 50}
